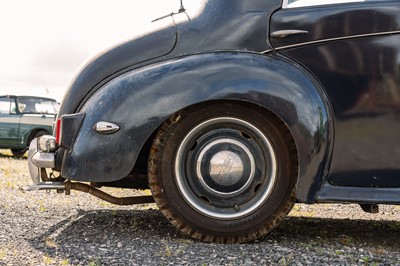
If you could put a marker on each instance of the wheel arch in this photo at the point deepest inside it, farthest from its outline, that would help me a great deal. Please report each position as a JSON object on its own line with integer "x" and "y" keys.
{"x": 32, "y": 133}
{"x": 148, "y": 96}
{"x": 141, "y": 162}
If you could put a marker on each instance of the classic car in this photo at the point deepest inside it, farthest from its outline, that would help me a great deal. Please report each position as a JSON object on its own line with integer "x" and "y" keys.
{"x": 23, "y": 118}
{"x": 233, "y": 112}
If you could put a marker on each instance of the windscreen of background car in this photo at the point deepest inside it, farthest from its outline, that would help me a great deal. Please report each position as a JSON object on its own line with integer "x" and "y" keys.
{"x": 36, "y": 106}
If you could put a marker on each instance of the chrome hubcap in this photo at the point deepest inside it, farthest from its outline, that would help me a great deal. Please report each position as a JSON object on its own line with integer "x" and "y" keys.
{"x": 221, "y": 167}
{"x": 226, "y": 168}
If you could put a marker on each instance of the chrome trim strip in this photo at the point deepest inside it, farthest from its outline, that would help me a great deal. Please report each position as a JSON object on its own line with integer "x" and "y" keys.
{"x": 285, "y": 33}
{"x": 330, "y": 40}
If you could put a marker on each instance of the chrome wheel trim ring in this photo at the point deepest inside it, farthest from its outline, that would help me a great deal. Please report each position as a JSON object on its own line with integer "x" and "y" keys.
{"x": 224, "y": 213}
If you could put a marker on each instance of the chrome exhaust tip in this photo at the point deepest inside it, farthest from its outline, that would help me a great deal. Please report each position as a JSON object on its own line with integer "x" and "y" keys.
{"x": 46, "y": 186}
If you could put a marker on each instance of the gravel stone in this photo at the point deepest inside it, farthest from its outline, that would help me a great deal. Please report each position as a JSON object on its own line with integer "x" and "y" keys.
{"x": 39, "y": 228}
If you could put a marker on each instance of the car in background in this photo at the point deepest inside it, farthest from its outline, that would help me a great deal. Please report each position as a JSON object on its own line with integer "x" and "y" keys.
{"x": 23, "y": 118}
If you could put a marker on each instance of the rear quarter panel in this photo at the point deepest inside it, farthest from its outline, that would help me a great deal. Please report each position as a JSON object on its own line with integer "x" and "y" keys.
{"x": 139, "y": 102}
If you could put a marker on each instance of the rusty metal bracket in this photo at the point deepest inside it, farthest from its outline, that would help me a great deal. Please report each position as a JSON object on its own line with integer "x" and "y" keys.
{"x": 104, "y": 196}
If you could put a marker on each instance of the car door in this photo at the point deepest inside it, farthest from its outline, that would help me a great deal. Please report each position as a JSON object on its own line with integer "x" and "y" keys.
{"x": 9, "y": 122}
{"x": 353, "y": 49}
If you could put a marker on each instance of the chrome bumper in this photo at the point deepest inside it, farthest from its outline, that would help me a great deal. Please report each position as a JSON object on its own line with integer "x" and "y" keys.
{"x": 39, "y": 160}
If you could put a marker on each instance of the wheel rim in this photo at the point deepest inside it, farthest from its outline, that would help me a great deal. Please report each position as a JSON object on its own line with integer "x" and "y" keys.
{"x": 225, "y": 168}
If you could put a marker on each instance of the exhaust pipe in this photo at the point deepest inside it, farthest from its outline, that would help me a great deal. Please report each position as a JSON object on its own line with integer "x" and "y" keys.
{"x": 67, "y": 186}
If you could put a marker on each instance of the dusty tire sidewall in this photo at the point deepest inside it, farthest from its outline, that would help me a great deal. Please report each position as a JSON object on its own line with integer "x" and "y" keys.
{"x": 181, "y": 213}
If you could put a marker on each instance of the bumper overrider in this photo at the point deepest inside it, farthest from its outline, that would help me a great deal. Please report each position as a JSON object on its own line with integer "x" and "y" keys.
{"x": 46, "y": 152}
{"x": 41, "y": 155}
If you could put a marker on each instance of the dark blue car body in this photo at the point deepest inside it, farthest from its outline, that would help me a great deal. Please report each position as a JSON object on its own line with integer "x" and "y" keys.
{"x": 328, "y": 74}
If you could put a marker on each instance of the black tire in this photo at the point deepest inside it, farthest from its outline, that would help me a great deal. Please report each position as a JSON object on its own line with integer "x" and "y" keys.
{"x": 38, "y": 134}
{"x": 18, "y": 153}
{"x": 223, "y": 172}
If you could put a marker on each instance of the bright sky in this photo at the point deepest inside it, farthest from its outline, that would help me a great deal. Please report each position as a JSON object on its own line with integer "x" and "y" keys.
{"x": 44, "y": 42}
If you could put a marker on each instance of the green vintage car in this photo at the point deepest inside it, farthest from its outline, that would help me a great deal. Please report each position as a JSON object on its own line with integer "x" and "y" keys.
{"x": 22, "y": 118}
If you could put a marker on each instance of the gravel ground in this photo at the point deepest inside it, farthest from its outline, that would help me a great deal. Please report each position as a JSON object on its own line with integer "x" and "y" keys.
{"x": 39, "y": 228}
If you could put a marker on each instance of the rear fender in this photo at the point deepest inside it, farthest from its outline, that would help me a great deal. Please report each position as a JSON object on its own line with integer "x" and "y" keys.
{"x": 141, "y": 100}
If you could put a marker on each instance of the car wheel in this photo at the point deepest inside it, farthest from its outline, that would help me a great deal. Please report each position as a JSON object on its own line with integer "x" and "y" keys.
{"x": 38, "y": 134}
{"x": 18, "y": 153}
{"x": 223, "y": 172}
